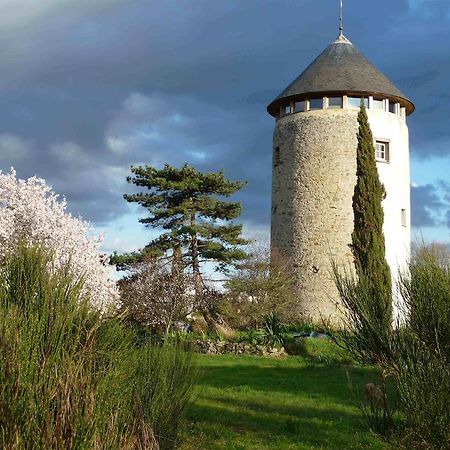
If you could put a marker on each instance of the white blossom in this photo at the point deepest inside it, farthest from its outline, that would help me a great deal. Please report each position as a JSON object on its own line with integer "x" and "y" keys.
{"x": 30, "y": 211}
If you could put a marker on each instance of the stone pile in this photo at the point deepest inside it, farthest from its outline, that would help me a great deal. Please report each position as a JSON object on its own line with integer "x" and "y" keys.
{"x": 234, "y": 348}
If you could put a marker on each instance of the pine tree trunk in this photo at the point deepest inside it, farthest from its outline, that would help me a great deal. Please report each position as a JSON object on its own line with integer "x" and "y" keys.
{"x": 177, "y": 260}
{"x": 195, "y": 260}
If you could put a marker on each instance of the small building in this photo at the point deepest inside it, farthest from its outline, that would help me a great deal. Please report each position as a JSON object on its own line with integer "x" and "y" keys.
{"x": 314, "y": 170}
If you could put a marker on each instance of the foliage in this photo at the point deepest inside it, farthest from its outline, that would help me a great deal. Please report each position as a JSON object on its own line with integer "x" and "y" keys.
{"x": 162, "y": 384}
{"x": 155, "y": 298}
{"x": 425, "y": 290}
{"x": 367, "y": 238}
{"x": 366, "y": 300}
{"x": 365, "y": 312}
{"x": 423, "y": 383}
{"x": 273, "y": 330}
{"x": 421, "y": 348}
{"x": 262, "y": 284}
{"x": 415, "y": 354}
{"x": 71, "y": 378}
{"x": 187, "y": 204}
{"x": 31, "y": 211}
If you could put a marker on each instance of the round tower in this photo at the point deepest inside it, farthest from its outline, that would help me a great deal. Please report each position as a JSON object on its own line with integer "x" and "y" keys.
{"x": 314, "y": 170}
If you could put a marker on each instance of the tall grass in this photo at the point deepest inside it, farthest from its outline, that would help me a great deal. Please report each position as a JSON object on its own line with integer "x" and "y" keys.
{"x": 415, "y": 353}
{"x": 422, "y": 348}
{"x": 366, "y": 314}
{"x": 71, "y": 379}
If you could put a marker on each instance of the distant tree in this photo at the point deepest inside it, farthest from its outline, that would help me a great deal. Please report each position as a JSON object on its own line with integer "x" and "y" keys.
{"x": 154, "y": 297}
{"x": 189, "y": 206}
{"x": 367, "y": 238}
{"x": 262, "y": 284}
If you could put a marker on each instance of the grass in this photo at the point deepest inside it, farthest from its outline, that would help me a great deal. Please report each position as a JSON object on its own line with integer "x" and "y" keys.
{"x": 72, "y": 379}
{"x": 246, "y": 402}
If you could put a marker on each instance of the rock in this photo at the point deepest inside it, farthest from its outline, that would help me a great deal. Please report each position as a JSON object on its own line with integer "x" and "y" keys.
{"x": 317, "y": 335}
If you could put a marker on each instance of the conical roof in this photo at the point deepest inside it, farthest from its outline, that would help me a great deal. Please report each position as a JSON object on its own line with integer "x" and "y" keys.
{"x": 341, "y": 69}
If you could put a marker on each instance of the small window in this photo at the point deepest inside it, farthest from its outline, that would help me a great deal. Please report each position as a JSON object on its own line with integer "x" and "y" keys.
{"x": 392, "y": 107}
{"x": 300, "y": 106}
{"x": 276, "y": 157}
{"x": 382, "y": 151}
{"x": 315, "y": 103}
{"x": 404, "y": 218}
{"x": 378, "y": 104}
{"x": 355, "y": 102}
{"x": 335, "y": 102}
{"x": 286, "y": 109}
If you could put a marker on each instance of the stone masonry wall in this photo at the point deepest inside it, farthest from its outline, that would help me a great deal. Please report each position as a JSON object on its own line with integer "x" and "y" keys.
{"x": 314, "y": 174}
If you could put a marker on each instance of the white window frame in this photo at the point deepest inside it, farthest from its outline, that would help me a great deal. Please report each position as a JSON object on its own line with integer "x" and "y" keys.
{"x": 386, "y": 156}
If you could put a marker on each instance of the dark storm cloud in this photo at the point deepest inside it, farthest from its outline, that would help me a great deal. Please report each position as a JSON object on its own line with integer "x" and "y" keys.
{"x": 427, "y": 206}
{"x": 87, "y": 90}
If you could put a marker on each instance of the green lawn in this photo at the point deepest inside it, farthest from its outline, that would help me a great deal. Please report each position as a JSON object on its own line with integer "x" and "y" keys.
{"x": 291, "y": 403}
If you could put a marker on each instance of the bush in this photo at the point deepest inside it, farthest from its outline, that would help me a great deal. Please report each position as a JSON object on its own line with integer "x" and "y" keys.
{"x": 263, "y": 284}
{"x": 155, "y": 298}
{"x": 422, "y": 348}
{"x": 73, "y": 379}
{"x": 366, "y": 316}
{"x": 426, "y": 296}
{"x": 423, "y": 383}
{"x": 273, "y": 330}
{"x": 415, "y": 354}
{"x": 31, "y": 211}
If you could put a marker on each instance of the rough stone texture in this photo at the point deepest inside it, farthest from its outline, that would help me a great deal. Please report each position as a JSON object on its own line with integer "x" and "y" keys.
{"x": 314, "y": 174}
{"x": 234, "y": 348}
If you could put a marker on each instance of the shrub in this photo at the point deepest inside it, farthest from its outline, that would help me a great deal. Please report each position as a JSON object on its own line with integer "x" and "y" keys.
{"x": 366, "y": 327}
{"x": 422, "y": 348}
{"x": 262, "y": 284}
{"x": 154, "y": 297}
{"x": 30, "y": 211}
{"x": 423, "y": 383}
{"x": 273, "y": 330}
{"x": 72, "y": 378}
{"x": 425, "y": 291}
{"x": 415, "y": 354}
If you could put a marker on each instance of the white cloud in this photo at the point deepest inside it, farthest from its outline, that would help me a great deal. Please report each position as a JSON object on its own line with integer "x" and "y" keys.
{"x": 69, "y": 152}
{"x": 20, "y": 13}
{"x": 14, "y": 148}
{"x": 430, "y": 8}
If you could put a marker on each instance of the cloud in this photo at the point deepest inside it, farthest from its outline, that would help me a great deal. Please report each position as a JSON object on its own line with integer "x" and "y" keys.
{"x": 426, "y": 206}
{"x": 89, "y": 88}
{"x": 430, "y": 9}
{"x": 14, "y": 149}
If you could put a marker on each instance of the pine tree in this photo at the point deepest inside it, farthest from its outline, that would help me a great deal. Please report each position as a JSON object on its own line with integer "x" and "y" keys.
{"x": 197, "y": 222}
{"x": 368, "y": 243}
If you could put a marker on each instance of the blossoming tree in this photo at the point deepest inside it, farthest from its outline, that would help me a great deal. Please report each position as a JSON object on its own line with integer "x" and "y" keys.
{"x": 30, "y": 211}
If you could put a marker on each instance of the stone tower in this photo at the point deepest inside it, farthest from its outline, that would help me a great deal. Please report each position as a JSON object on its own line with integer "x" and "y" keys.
{"x": 314, "y": 169}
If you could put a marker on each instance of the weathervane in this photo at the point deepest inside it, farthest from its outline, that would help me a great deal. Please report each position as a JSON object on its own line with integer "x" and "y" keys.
{"x": 341, "y": 23}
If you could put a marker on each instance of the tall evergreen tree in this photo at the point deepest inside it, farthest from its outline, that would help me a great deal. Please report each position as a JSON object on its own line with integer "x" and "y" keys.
{"x": 197, "y": 221}
{"x": 367, "y": 238}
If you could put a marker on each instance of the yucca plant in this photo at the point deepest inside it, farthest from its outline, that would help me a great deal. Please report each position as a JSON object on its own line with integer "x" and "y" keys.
{"x": 273, "y": 330}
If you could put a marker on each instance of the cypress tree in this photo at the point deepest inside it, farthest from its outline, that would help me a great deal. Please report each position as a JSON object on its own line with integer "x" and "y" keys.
{"x": 368, "y": 243}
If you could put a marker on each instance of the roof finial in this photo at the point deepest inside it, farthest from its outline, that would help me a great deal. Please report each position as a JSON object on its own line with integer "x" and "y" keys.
{"x": 341, "y": 22}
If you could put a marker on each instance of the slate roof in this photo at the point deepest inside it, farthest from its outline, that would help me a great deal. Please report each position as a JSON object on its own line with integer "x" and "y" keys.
{"x": 341, "y": 69}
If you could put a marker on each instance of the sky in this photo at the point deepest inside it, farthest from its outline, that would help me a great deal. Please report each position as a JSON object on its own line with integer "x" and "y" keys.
{"x": 89, "y": 88}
